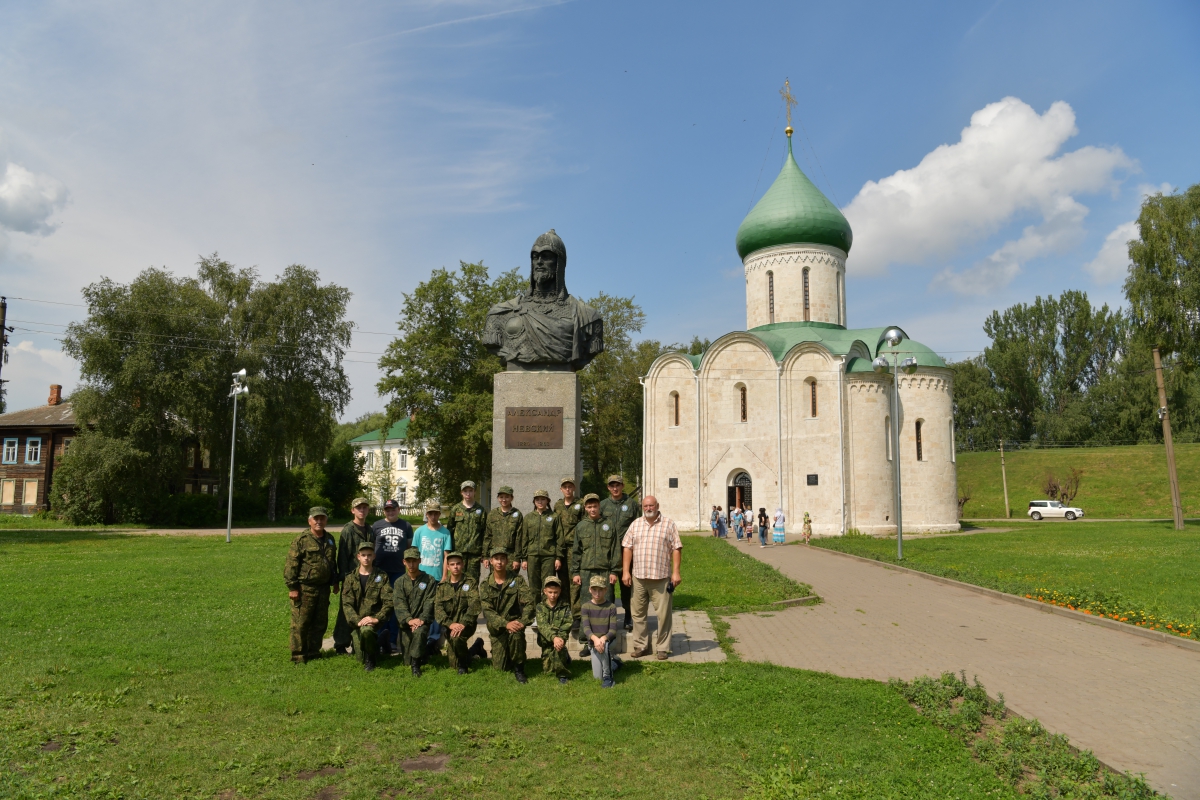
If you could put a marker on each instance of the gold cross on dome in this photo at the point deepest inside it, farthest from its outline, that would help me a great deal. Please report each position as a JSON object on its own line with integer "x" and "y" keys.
{"x": 786, "y": 94}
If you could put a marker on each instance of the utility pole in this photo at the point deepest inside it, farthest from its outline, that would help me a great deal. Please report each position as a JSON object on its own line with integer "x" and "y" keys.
{"x": 1004, "y": 479}
{"x": 3, "y": 335}
{"x": 1176, "y": 505}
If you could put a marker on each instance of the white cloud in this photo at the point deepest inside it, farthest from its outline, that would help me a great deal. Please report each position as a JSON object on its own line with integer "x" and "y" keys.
{"x": 1111, "y": 263}
{"x": 1005, "y": 164}
{"x": 28, "y": 199}
{"x": 30, "y": 371}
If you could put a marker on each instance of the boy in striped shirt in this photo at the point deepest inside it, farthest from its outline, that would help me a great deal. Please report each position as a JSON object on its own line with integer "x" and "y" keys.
{"x": 599, "y": 626}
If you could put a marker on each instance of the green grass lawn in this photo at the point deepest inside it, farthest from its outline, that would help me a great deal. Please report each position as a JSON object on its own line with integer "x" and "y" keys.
{"x": 1148, "y": 564}
{"x": 158, "y": 667}
{"x": 717, "y": 574}
{"x": 1118, "y": 482}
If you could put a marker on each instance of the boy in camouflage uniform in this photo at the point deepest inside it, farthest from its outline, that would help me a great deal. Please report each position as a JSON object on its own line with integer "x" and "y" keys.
{"x": 621, "y": 510}
{"x": 541, "y": 535}
{"x": 569, "y": 511}
{"x": 508, "y": 608}
{"x": 412, "y": 603}
{"x": 596, "y": 552}
{"x": 504, "y": 528}
{"x": 554, "y": 629}
{"x": 354, "y": 533}
{"x": 366, "y": 604}
{"x": 310, "y": 573}
{"x": 466, "y": 522}
{"x": 456, "y": 608}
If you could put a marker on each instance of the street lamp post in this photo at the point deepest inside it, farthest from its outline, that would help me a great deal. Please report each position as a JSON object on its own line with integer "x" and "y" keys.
{"x": 893, "y": 336}
{"x": 238, "y": 388}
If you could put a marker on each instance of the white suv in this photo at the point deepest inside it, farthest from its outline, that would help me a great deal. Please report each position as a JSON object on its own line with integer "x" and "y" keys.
{"x": 1052, "y": 508}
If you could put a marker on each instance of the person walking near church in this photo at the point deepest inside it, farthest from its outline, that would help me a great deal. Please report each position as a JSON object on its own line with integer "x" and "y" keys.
{"x": 722, "y": 525}
{"x": 712, "y": 519}
{"x": 620, "y": 510}
{"x": 739, "y": 526}
{"x": 807, "y": 527}
{"x": 466, "y": 522}
{"x": 762, "y": 527}
{"x": 780, "y": 522}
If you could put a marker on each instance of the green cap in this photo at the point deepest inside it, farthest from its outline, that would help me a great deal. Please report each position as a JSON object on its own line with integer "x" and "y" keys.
{"x": 318, "y": 511}
{"x": 552, "y": 580}
{"x": 587, "y": 498}
{"x": 541, "y": 493}
{"x": 360, "y": 501}
{"x": 598, "y": 582}
{"x": 505, "y": 490}
{"x": 368, "y": 546}
{"x": 412, "y": 552}
{"x": 498, "y": 550}
{"x": 432, "y": 504}
{"x": 466, "y": 485}
{"x": 450, "y": 555}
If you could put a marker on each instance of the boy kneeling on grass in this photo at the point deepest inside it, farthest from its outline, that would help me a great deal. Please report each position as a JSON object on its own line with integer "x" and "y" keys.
{"x": 508, "y": 608}
{"x": 553, "y": 629}
{"x": 456, "y": 609}
{"x": 600, "y": 626}
{"x": 366, "y": 605}
{"x": 412, "y": 603}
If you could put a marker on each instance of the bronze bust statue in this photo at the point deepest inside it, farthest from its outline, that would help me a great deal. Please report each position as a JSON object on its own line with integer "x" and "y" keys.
{"x": 548, "y": 328}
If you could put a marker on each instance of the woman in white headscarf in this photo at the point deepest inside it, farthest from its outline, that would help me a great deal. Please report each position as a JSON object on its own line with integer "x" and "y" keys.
{"x": 780, "y": 522}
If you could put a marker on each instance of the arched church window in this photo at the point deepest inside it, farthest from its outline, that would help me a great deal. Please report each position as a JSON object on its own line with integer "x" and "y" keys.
{"x": 806, "y": 295}
{"x": 838, "y": 286}
{"x": 742, "y": 410}
{"x": 920, "y": 447}
{"x": 952, "y": 448}
{"x": 812, "y": 397}
{"x": 771, "y": 294}
{"x": 887, "y": 437}
{"x": 675, "y": 408}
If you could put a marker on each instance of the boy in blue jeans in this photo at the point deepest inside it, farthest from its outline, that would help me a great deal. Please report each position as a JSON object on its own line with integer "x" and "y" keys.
{"x": 599, "y": 626}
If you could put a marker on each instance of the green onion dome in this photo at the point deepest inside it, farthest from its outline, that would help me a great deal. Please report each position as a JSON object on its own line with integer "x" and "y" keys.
{"x": 793, "y": 211}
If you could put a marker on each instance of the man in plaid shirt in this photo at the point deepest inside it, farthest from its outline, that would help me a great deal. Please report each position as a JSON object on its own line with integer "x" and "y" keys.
{"x": 652, "y": 552}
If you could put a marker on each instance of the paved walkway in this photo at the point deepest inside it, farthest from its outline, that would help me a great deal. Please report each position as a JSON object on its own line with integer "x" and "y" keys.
{"x": 1135, "y": 703}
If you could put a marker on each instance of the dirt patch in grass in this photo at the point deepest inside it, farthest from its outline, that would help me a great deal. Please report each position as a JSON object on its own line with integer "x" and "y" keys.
{"x": 51, "y": 746}
{"x": 426, "y": 763}
{"x": 308, "y": 775}
{"x": 329, "y": 793}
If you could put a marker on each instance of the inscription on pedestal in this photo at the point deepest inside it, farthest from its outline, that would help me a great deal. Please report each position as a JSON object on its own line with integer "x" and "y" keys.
{"x": 533, "y": 428}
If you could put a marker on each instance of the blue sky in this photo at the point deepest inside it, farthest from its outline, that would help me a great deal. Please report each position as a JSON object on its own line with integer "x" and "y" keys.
{"x": 376, "y": 142}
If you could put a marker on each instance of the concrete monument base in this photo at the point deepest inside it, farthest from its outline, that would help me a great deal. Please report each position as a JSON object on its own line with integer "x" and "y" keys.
{"x": 535, "y": 433}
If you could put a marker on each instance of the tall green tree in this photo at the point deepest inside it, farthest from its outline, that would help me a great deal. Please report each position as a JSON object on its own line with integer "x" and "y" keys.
{"x": 1163, "y": 286}
{"x": 438, "y": 371}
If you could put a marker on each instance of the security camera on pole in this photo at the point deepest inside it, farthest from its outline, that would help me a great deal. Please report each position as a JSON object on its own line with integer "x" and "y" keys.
{"x": 893, "y": 337}
{"x": 238, "y": 388}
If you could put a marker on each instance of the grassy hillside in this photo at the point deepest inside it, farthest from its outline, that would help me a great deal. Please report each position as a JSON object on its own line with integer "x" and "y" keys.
{"x": 1117, "y": 481}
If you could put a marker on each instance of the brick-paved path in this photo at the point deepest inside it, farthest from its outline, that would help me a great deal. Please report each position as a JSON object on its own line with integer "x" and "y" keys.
{"x": 1135, "y": 703}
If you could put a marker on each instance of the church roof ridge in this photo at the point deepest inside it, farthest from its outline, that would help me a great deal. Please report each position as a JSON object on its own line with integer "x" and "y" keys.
{"x": 793, "y": 211}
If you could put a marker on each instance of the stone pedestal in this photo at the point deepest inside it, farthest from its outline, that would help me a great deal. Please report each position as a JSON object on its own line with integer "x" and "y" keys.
{"x": 535, "y": 433}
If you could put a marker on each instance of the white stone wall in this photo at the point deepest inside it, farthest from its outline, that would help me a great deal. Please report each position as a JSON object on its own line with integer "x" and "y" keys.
{"x": 812, "y": 444}
{"x": 870, "y": 499}
{"x": 827, "y": 296}
{"x": 929, "y": 486}
{"x": 670, "y": 448}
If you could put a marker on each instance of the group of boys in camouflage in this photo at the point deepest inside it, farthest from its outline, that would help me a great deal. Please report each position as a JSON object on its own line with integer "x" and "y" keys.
{"x": 576, "y": 543}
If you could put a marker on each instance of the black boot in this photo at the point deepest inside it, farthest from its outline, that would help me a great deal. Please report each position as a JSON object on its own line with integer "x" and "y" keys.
{"x": 369, "y": 664}
{"x": 416, "y": 670}
{"x": 520, "y": 673}
{"x": 476, "y": 650}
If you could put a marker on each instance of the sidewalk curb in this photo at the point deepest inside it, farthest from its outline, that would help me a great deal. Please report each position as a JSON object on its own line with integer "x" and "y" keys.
{"x": 1045, "y": 608}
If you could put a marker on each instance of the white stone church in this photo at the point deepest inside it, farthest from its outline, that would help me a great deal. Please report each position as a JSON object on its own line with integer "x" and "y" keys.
{"x": 790, "y": 412}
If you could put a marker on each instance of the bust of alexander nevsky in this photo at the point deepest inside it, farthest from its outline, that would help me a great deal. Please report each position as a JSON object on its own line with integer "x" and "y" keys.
{"x": 547, "y": 328}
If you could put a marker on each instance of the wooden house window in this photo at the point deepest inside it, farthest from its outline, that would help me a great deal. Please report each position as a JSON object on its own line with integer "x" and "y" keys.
{"x": 29, "y": 493}
{"x": 10, "y": 451}
{"x": 33, "y": 450}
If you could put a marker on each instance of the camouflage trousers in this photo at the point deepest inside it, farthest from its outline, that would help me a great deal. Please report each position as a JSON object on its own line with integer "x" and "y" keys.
{"x": 310, "y": 618}
{"x": 342, "y": 632}
{"x": 554, "y": 661}
{"x": 366, "y": 641}
{"x": 508, "y": 649}
{"x": 540, "y": 568}
{"x": 413, "y": 643}
{"x": 457, "y": 646}
{"x": 471, "y": 564}
{"x": 580, "y": 593}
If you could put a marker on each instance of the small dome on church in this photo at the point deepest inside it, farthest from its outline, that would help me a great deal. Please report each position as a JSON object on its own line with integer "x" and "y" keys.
{"x": 793, "y": 211}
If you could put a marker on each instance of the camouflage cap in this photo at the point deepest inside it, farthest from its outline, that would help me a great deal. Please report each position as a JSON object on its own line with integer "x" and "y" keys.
{"x": 616, "y": 479}
{"x": 587, "y": 498}
{"x": 466, "y": 485}
{"x": 505, "y": 490}
{"x": 450, "y": 555}
{"x": 598, "y": 582}
{"x": 368, "y": 546}
{"x": 360, "y": 501}
{"x": 498, "y": 550}
{"x": 565, "y": 481}
{"x": 552, "y": 580}
{"x": 432, "y": 504}
{"x": 413, "y": 552}
{"x": 541, "y": 493}
{"x": 318, "y": 511}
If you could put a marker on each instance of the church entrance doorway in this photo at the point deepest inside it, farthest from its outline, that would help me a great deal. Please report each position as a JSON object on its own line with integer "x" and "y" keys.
{"x": 739, "y": 493}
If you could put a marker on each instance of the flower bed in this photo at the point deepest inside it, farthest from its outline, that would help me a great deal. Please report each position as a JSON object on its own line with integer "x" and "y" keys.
{"x": 1112, "y": 607}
